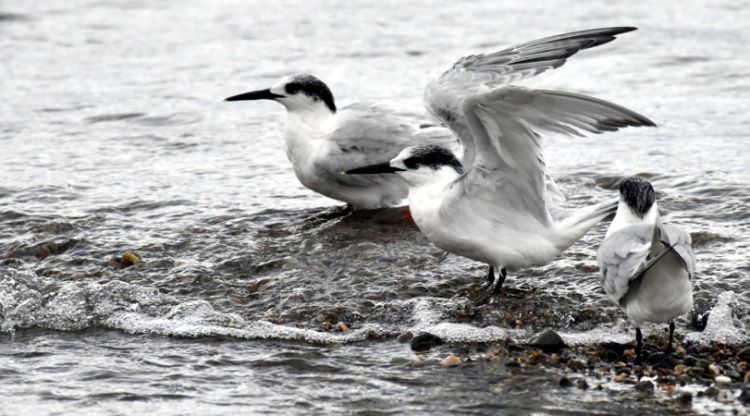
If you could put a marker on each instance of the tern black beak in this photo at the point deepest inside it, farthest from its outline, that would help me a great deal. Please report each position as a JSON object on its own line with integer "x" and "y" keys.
{"x": 254, "y": 95}
{"x": 372, "y": 169}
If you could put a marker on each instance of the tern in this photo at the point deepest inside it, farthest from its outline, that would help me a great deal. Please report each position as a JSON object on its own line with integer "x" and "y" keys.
{"x": 647, "y": 267}
{"x": 499, "y": 205}
{"x": 322, "y": 140}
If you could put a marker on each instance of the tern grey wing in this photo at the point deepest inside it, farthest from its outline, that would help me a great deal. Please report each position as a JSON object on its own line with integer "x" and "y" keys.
{"x": 681, "y": 242}
{"x": 365, "y": 134}
{"x": 444, "y": 96}
{"x": 505, "y": 126}
{"x": 622, "y": 256}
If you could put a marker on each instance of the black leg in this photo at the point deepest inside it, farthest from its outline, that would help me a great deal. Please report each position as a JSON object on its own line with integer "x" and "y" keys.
{"x": 638, "y": 345}
{"x": 671, "y": 336}
{"x": 499, "y": 285}
{"x": 490, "y": 279}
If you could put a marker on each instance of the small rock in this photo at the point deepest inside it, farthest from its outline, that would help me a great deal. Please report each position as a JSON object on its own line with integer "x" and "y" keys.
{"x": 714, "y": 370}
{"x": 450, "y": 361}
{"x": 685, "y": 398}
{"x": 722, "y": 380}
{"x": 129, "y": 258}
{"x": 405, "y": 337}
{"x": 536, "y": 357}
{"x": 711, "y": 391}
{"x": 565, "y": 382}
{"x": 747, "y": 378}
{"x": 425, "y": 341}
{"x": 582, "y": 384}
{"x": 342, "y": 327}
{"x": 645, "y": 386}
{"x": 574, "y": 364}
{"x": 703, "y": 363}
{"x": 621, "y": 377}
{"x": 680, "y": 369}
{"x": 745, "y": 396}
{"x": 744, "y": 354}
{"x": 547, "y": 340}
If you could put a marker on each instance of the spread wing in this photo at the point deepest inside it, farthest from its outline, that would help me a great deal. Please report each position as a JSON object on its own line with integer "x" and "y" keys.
{"x": 506, "y": 125}
{"x": 499, "y": 126}
{"x": 444, "y": 97}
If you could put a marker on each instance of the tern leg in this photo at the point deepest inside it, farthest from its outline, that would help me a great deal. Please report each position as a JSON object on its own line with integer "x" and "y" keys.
{"x": 502, "y": 275}
{"x": 490, "y": 278}
{"x": 638, "y": 345}
{"x": 671, "y": 336}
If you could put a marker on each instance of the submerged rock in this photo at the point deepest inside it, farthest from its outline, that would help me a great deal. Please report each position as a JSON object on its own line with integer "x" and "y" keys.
{"x": 565, "y": 382}
{"x": 547, "y": 340}
{"x": 425, "y": 341}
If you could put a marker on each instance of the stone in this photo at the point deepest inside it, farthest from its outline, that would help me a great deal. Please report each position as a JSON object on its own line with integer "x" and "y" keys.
{"x": 582, "y": 384}
{"x": 722, "y": 380}
{"x": 450, "y": 361}
{"x": 547, "y": 341}
{"x": 745, "y": 396}
{"x": 685, "y": 398}
{"x": 405, "y": 337}
{"x": 565, "y": 382}
{"x": 425, "y": 341}
{"x": 645, "y": 386}
{"x": 129, "y": 258}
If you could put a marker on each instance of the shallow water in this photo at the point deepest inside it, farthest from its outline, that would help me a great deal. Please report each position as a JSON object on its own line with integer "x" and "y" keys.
{"x": 113, "y": 137}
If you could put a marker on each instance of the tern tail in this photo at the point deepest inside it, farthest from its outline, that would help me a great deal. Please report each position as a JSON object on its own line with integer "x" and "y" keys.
{"x": 573, "y": 227}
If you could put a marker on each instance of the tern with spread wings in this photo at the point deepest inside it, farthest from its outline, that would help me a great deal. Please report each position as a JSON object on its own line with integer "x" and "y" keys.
{"x": 497, "y": 204}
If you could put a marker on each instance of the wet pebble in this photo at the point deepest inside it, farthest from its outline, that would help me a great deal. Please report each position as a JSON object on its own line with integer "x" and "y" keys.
{"x": 722, "y": 380}
{"x": 547, "y": 340}
{"x": 745, "y": 396}
{"x": 450, "y": 361}
{"x": 425, "y": 341}
{"x": 582, "y": 384}
{"x": 645, "y": 386}
{"x": 565, "y": 382}
{"x": 711, "y": 392}
{"x": 129, "y": 258}
{"x": 685, "y": 398}
{"x": 405, "y": 337}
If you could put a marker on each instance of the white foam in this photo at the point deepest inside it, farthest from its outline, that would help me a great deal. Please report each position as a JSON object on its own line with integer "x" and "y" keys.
{"x": 722, "y": 325}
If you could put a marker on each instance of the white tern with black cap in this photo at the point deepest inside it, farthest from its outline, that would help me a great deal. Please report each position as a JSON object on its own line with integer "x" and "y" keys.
{"x": 499, "y": 205}
{"x": 647, "y": 267}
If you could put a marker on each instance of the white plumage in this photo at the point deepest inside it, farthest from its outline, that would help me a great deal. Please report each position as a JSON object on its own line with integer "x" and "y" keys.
{"x": 503, "y": 210}
{"x": 647, "y": 267}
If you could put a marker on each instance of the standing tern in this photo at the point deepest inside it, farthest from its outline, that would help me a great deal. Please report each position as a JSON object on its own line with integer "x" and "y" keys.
{"x": 647, "y": 267}
{"x": 322, "y": 140}
{"x": 498, "y": 205}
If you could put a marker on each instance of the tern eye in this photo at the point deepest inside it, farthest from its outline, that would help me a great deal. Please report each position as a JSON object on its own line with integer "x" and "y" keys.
{"x": 411, "y": 162}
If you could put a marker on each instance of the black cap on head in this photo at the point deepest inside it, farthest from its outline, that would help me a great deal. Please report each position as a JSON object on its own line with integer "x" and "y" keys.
{"x": 433, "y": 157}
{"x": 638, "y": 194}
{"x": 313, "y": 88}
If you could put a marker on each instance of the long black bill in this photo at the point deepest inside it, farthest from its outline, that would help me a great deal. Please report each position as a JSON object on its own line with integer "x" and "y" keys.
{"x": 372, "y": 169}
{"x": 254, "y": 95}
